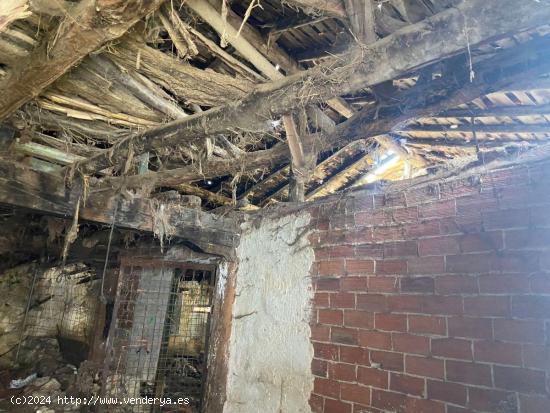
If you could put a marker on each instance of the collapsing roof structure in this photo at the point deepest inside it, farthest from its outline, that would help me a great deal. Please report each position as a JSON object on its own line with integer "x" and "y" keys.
{"x": 254, "y": 103}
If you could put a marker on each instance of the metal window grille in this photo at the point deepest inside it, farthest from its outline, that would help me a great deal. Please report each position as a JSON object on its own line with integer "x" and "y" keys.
{"x": 158, "y": 338}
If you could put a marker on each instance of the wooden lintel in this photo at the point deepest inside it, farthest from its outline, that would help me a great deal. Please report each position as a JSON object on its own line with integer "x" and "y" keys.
{"x": 46, "y": 193}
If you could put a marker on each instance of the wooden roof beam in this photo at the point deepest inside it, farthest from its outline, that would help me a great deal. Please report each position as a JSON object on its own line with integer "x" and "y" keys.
{"x": 92, "y": 23}
{"x": 432, "y": 39}
{"x": 24, "y": 188}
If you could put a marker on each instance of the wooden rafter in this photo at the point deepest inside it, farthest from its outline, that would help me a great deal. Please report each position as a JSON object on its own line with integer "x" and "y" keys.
{"x": 491, "y": 74}
{"x": 91, "y": 24}
{"x": 330, "y": 7}
{"x": 25, "y": 188}
{"x": 435, "y": 38}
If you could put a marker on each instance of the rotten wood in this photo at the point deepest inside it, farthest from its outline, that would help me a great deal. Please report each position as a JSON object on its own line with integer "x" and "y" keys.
{"x": 435, "y": 38}
{"x": 90, "y": 25}
{"x": 516, "y": 67}
{"x": 24, "y": 188}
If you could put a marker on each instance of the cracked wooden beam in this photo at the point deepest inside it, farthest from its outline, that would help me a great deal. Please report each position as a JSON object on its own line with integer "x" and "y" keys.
{"x": 91, "y": 24}
{"x": 24, "y": 188}
{"x": 514, "y": 68}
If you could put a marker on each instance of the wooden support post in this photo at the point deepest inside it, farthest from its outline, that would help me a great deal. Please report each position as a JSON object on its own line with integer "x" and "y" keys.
{"x": 297, "y": 187}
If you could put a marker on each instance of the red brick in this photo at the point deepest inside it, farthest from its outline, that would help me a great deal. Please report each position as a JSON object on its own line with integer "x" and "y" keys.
{"x": 470, "y": 373}
{"x": 426, "y": 265}
{"x": 470, "y": 327}
{"x": 447, "y": 392}
{"x": 342, "y": 300}
{"x": 325, "y": 351}
{"x": 539, "y": 283}
{"x": 354, "y": 284}
{"x": 511, "y": 218}
{"x": 390, "y": 322}
{"x": 456, "y": 409}
{"x": 487, "y": 306}
{"x": 327, "y": 284}
{"x": 491, "y": 400}
{"x": 537, "y": 357}
{"x": 326, "y": 387}
{"x": 391, "y": 267}
{"x": 326, "y": 238}
{"x": 372, "y": 377}
{"x": 438, "y": 209}
{"x": 363, "y": 202}
{"x": 403, "y": 383}
{"x": 369, "y": 251}
{"x": 417, "y": 285}
{"x": 358, "y": 319}
{"x": 320, "y": 333}
{"x": 331, "y": 317}
{"x": 427, "y": 325}
{"x": 527, "y": 238}
{"x": 503, "y": 284}
{"x": 438, "y": 246}
{"x": 343, "y": 335}
{"x": 388, "y": 233}
{"x": 531, "y": 306}
{"x": 383, "y": 284}
{"x": 402, "y": 215}
{"x": 452, "y": 348}
{"x": 320, "y": 300}
{"x": 358, "y": 236}
{"x": 426, "y": 367}
{"x": 408, "y": 343}
{"x": 516, "y": 261}
{"x": 319, "y": 368}
{"x": 400, "y": 249}
{"x": 533, "y": 404}
{"x": 443, "y": 305}
{"x": 414, "y": 405}
{"x": 423, "y": 229}
{"x": 360, "y": 266}
{"x": 355, "y": 393}
{"x": 334, "y": 251}
{"x": 497, "y": 352}
{"x": 481, "y": 242}
{"x": 387, "y": 360}
{"x": 342, "y": 372}
{"x": 520, "y": 331}
{"x": 336, "y": 406}
{"x": 519, "y": 379}
{"x": 370, "y": 218}
{"x": 469, "y": 263}
{"x": 389, "y": 401}
{"x": 335, "y": 267}
{"x": 375, "y": 339}
{"x": 354, "y": 355}
{"x": 406, "y": 303}
{"x": 317, "y": 403}
{"x": 455, "y": 284}
{"x": 372, "y": 302}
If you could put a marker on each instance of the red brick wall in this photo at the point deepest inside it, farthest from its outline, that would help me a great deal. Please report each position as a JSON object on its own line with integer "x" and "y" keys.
{"x": 435, "y": 299}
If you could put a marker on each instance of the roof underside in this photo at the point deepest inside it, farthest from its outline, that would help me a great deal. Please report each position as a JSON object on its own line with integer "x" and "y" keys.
{"x": 174, "y": 63}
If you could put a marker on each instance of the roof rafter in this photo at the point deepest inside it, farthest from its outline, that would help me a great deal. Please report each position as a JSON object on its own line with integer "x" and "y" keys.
{"x": 432, "y": 39}
{"x": 91, "y": 24}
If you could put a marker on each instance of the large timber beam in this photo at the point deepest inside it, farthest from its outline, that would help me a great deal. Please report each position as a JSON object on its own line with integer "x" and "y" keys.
{"x": 91, "y": 24}
{"x": 24, "y": 188}
{"x": 435, "y": 38}
{"x": 514, "y": 68}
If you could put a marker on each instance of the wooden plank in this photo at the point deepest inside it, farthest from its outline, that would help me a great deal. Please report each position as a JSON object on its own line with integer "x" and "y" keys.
{"x": 491, "y": 74}
{"x": 435, "y": 38}
{"x": 92, "y": 23}
{"x": 25, "y": 188}
{"x": 46, "y": 153}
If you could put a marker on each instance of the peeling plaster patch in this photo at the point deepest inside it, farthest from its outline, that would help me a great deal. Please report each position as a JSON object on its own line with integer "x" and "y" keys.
{"x": 221, "y": 281}
{"x": 270, "y": 352}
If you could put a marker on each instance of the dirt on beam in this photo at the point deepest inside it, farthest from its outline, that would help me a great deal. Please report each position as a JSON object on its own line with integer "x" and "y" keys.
{"x": 91, "y": 24}
{"x": 517, "y": 67}
{"x": 28, "y": 189}
{"x": 435, "y": 38}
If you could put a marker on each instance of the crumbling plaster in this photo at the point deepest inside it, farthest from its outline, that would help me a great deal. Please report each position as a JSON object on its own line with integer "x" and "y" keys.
{"x": 270, "y": 352}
